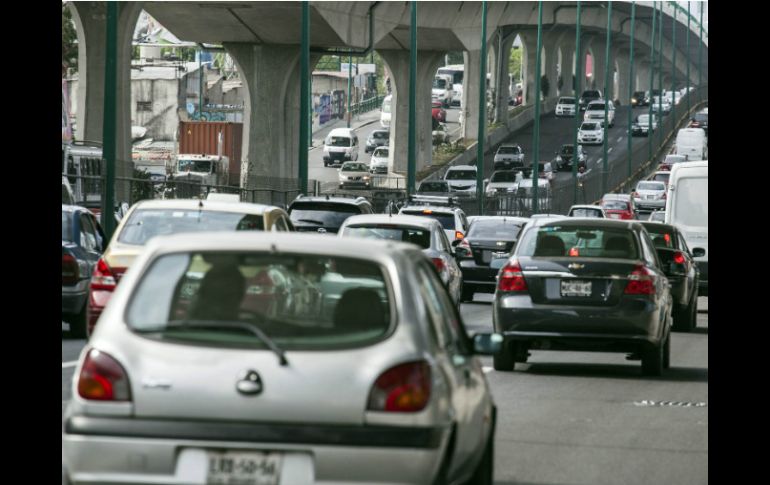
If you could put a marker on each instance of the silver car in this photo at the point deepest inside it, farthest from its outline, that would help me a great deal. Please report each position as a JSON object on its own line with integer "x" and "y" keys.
{"x": 650, "y": 195}
{"x": 199, "y": 373}
{"x": 425, "y": 232}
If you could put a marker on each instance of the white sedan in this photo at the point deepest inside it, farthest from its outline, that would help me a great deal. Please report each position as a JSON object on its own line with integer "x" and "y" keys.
{"x": 591, "y": 133}
{"x": 379, "y": 162}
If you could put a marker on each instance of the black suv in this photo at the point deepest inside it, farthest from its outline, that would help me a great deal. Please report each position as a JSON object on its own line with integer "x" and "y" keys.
{"x": 588, "y": 96}
{"x": 325, "y": 214}
{"x": 639, "y": 98}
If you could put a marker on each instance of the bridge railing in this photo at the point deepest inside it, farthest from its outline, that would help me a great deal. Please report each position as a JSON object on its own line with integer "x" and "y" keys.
{"x": 366, "y": 105}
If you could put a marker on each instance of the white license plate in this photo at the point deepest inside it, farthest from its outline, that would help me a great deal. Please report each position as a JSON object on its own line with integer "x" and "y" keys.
{"x": 230, "y": 468}
{"x": 614, "y": 216}
{"x": 650, "y": 197}
{"x": 575, "y": 288}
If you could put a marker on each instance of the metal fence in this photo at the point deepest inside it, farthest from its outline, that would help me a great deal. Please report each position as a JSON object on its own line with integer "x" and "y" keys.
{"x": 366, "y": 105}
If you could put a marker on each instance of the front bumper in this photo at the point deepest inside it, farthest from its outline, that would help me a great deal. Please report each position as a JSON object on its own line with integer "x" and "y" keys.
{"x": 123, "y": 450}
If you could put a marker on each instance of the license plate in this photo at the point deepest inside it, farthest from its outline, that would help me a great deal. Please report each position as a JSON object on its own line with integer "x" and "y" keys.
{"x": 650, "y": 197}
{"x": 614, "y": 216}
{"x": 253, "y": 468}
{"x": 499, "y": 254}
{"x": 486, "y": 256}
{"x": 575, "y": 288}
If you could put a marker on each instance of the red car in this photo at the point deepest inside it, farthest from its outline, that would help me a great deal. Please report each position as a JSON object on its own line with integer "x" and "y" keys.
{"x": 439, "y": 113}
{"x": 618, "y": 206}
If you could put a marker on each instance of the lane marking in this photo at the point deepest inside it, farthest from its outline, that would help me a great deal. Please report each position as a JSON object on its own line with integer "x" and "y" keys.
{"x": 620, "y": 138}
{"x": 487, "y": 369}
{"x": 610, "y": 149}
{"x": 71, "y": 363}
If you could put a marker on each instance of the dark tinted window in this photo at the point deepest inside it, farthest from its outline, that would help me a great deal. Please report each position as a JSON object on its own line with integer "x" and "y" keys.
{"x": 566, "y": 101}
{"x": 433, "y": 187}
{"x": 567, "y": 149}
{"x": 504, "y": 176}
{"x": 579, "y": 241}
{"x": 662, "y": 236}
{"x": 148, "y": 223}
{"x": 508, "y": 150}
{"x": 391, "y": 232}
{"x": 447, "y": 220}
{"x": 494, "y": 229}
{"x": 321, "y": 214}
{"x": 380, "y": 135}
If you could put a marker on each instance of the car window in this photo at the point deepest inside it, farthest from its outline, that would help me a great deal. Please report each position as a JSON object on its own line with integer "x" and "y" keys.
{"x": 579, "y": 241}
{"x": 662, "y": 236}
{"x": 88, "y": 237}
{"x": 66, "y": 226}
{"x": 144, "y": 224}
{"x": 280, "y": 224}
{"x": 651, "y": 186}
{"x": 648, "y": 250}
{"x": 464, "y": 221}
{"x": 442, "y": 312}
{"x": 443, "y": 241}
{"x": 300, "y": 301}
{"x": 338, "y": 141}
{"x": 494, "y": 229}
{"x": 586, "y": 213}
{"x": 461, "y": 175}
{"x": 321, "y": 214}
{"x": 615, "y": 205}
{"x": 391, "y": 232}
{"x": 447, "y": 220}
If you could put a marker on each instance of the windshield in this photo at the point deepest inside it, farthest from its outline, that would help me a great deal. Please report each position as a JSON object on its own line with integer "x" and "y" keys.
{"x": 596, "y": 107}
{"x": 590, "y": 94}
{"x": 504, "y": 176}
{"x": 461, "y": 175}
{"x": 579, "y": 241}
{"x": 661, "y": 177}
{"x": 692, "y": 203}
{"x": 586, "y": 213}
{"x": 354, "y": 167}
{"x": 566, "y": 100}
{"x": 439, "y": 83}
{"x": 509, "y": 150}
{"x": 589, "y": 126}
{"x": 66, "y": 226}
{"x": 298, "y": 301}
{"x": 702, "y": 117}
{"x": 495, "y": 229}
{"x": 433, "y": 187}
{"x": 615, "y": 205}
{"x": 148, "y": 223}
{"x": 380, "y": 153}
{"x": 567, "y": 149}
{"x": 662, "y": 236}
{"x": 391, "y": 232}
{"x": 321, "y": 214}
{"x": 447, "y": 220}
{"x": 386, "y": 105}
{"x": 651, "y": 186}
{"x": 195, "y": 166}
{"x": 338, "y": 141}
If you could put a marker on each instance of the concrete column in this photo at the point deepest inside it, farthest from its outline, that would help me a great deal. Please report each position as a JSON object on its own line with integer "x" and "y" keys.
{"x": 471, "y": 93}
{"x": 567, "y": 69}
{"x": 271, "y": 115}
{"x": 529, "y": 63}
{"x": 597, "y": 47}
{"x": 504, "y": 82}
{"x": 623, "y": 80}
{"x": 398, "y": 64}
{"x": 551, "y": 71}
{"x": 642, "y": 73}
{"x": 90, "y": 21}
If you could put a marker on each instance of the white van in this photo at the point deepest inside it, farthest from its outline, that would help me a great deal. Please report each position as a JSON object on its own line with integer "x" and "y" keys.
{"x": 691, "y": 142}
{"x": 385, "y": 115}
{"x": 687, "y": 207}
{"x": 341, "y": 145}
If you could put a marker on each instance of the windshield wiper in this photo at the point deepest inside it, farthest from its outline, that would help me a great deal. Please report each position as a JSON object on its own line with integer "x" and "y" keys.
{"x": 312, "y": 221}
{"x": 216, "y": 324}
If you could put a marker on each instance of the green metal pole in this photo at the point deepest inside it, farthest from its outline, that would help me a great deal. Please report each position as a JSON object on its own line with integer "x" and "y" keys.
{"x": 536, "y": 134}
{"x": 110, "y": 112}
{"x": 579, "y": 61}
{"x": 606, "y": 129}
{"x": 700, "y": 53}
{"x": 482, "y": 110}
{"x": 200, "y": 84}
{"x": 673, "y": 68}
{"x": 660, "y": 71}
{"x": 304, "y": 97}
{"x": 688, "y": 57}
{"x": 350, "y": 72}
{"x": 631, "y": 84}
{"x": 652, "y": 82}
{"x": 411, "y": 162}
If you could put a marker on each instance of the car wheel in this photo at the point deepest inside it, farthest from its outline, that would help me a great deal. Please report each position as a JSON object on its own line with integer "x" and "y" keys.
{"x": 467, "y": 292}
{"x": 503, "y": 361}
{"x": 684, "y": 318}
{"x": 667, "y": 353}
{"x": 78, "y": 324}
{"x": 652, "y": 360}
{"x": 484, "y": 472}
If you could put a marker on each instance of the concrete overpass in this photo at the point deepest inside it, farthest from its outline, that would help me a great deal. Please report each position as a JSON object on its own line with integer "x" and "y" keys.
{"x": 264, "y": 40}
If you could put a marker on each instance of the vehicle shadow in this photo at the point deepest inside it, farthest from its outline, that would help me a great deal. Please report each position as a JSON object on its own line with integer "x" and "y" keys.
{"x": 674, "y": 374}
{"x": 701, "y": 330}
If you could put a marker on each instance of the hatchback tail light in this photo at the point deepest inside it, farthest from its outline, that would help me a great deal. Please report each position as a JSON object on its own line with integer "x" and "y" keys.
{"x": 102, "y": 378}
{"x": 511, "y": 278}
{"x": 459, "y": 235}
{"x": 103, "y": 278}
{"x": 679, "y": 258}
{"x": 640, "y": 282}
{"x": 439, "y": 264}
{"x": 70, "y": 274}
{"x": 404, "y": 388}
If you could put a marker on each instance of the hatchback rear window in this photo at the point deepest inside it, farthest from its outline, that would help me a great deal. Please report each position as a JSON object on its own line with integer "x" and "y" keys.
{"x": 145, "y": 224}
{"x": 566, "y": 100}
{"x": 224, "y": 299}
{"x": 508, "y": 150}
{"x": 579, "y": 241}
{"x": 504, "y": 176}
{"x": 447, "y": 220}
{"x": 380, "y": 135}
{"x": 615, "y": 205}
{"x": 586, "y": 213}
{"x": 433, "y": 187}
{"x": 495, "y": 229}
{"x": 661, "y": 236}
{"x": 651, "y": 186}
{"x": 391, "y": 232}
{"x": 321, "y": 214}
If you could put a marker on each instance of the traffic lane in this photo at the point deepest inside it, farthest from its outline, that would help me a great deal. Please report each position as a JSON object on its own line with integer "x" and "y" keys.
{"x": 580, "y": 417}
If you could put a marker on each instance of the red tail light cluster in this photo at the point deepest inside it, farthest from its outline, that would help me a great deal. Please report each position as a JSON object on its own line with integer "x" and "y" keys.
{"x": 459, "y": 235}
{"x": 640, "y": 282}
{"x": 103, "y": 277}
{"x": 404, "y": 388}
{"x": 679, "y": 258}
{"x": 439, "y": 264}
{"x": 463, "y": 249}
{"x": 511, "y": 278}
{"x": 102, "y": 378}
{"x": 70, "y": 274}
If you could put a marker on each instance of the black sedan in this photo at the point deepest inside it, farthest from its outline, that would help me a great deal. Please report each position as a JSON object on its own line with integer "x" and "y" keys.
{"x": 484, "y": 250}
{"x": 681, "y": 270}
{"x": 584, "y": 285}
{"x": 82, "y": 243}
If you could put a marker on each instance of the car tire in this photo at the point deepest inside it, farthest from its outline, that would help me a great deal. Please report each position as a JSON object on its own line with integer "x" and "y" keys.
{"x": 467, "y": 293}
{"x": 652, "y": 360}
{"x": 667, "y": 353}
{"x": 685, "y": 318}
{"x": 78, "y": 324}
{"x": 503, "y": 360}
{"x": 484, "y": 472}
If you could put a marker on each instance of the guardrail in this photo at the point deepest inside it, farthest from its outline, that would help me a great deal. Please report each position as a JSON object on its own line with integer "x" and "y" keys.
{"x": 366, "y": 105}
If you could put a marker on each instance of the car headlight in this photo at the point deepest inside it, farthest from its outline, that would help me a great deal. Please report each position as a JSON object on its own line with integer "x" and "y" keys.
{"x": 366, "y": 177}
{"x": 558, "y": 159}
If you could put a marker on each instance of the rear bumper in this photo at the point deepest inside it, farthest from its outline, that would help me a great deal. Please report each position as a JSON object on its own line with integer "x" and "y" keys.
{"x": 119, "y": 450}
{"x": 483, "y": 277}
{"x": 73, "y": 298}
{"x": 654, "y": 204}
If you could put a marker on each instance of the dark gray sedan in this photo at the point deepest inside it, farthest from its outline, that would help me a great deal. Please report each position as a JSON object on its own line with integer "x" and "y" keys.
{"x": 585, "y": 285}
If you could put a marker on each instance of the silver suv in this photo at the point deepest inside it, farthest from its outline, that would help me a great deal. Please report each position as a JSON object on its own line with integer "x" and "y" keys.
{"x": 262, "y": 358}
{"x": 446, "y": 210}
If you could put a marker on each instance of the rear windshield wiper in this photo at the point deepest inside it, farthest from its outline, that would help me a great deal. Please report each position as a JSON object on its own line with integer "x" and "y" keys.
{"x": 312, "y": 221}
{"x": 217, "y": 324}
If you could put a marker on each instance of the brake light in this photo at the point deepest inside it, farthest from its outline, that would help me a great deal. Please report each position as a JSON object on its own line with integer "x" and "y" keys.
{"x": 70, "y": 273}
{"x": 667, "y": 238}
{"x": 404, "y": 388}
{"x": 679, "y": 258}
{"x": 102, "y": 378}
{"x": 574, "y": 252}
{"x": 439, "y": 264}
{"x": 459, "y": 235}
{"x": 511, "y": 278}
{"x": 640, "y": 282}
{"x": 103, "y": 277}
{"x": 427, "y": 211}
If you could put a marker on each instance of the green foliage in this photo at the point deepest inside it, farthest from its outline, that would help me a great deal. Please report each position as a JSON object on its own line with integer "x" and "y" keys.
{"x": 69, "y": 37}
{"x": 514, "y": 64}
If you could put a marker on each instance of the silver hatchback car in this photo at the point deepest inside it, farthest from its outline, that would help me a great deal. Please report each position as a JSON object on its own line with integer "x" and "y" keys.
{"x": 280, "y": 359}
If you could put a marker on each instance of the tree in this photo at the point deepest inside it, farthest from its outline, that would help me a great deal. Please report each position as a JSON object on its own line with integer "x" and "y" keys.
{"x": 514, "y": 64}
{"x": 69, "y": 37}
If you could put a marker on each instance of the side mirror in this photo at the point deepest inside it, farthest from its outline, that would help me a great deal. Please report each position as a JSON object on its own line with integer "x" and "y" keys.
{"x": 456, "y": 242}
{"x": 698, "y": 252}
{"x": 487, "y": 343}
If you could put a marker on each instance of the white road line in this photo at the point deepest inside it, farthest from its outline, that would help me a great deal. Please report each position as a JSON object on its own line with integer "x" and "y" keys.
{"x": 486, "y": 369}
{"x": 610, "y": 149}
{"x": 620, "y": 138}
{"x": 71, "y": 363}
{"x": 599, "y": 161}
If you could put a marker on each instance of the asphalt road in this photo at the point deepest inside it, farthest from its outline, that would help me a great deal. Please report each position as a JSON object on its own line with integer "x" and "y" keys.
{"x": 578, "y": 418}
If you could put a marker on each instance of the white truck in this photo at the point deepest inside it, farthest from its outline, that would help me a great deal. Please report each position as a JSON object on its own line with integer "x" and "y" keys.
{"x": 202, "y": 169}
{"x": 443, "y": 89}
{"x": 692, "y": 143}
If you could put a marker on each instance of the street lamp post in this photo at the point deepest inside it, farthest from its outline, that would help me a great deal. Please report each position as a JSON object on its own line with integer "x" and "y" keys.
{"x": 536, "y": 135}
{"x": 652, "y": 83}
{"x": 482, "y": 110}
{"x": 606, "y": 128}
{"x": 631, "y": 85}
{"x": 579, "y": 61}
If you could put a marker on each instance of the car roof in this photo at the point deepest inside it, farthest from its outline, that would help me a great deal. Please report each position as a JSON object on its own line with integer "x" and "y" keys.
{"x": 516, "y": 219}
{"x": 341, "y": 131}
{"x": 579, "y": 221}
{"x": 401, "y": 219}
{"x": 208, "y": 205}
{"x": 586, "y": 206}
{"x": 462, "y": 167}
{"x": 74, "y": 208}
{"x": 509, "y": 145}
{"x": 332, "y": 199}
{"x": 433, "y": 208}
{"x": 624, "y": 197}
